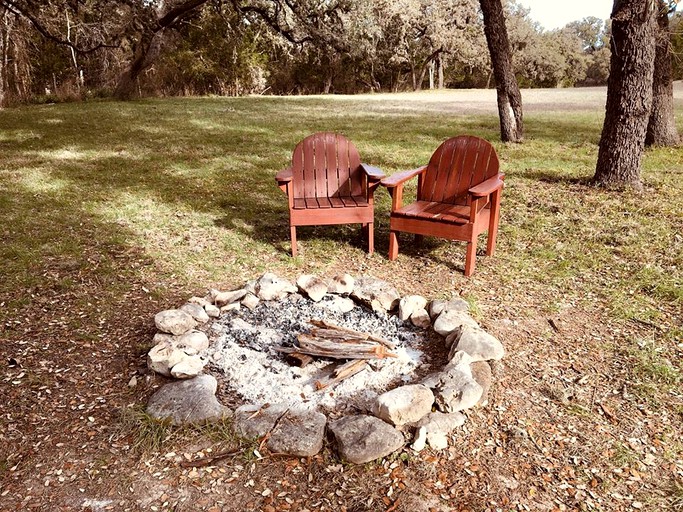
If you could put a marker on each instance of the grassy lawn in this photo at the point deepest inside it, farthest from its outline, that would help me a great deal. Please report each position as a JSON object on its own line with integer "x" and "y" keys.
{"x": 113, "y": 211}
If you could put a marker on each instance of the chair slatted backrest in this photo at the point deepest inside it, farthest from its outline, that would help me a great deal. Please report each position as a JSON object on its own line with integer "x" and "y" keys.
{"x": 458, "y": 164}
{"x": 326, "y": 165}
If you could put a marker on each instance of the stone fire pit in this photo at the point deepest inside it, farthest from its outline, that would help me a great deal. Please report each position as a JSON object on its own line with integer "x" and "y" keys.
{"x": 431, "y": 366}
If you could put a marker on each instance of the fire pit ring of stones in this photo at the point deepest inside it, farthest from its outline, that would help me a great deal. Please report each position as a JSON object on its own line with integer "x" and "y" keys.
{"x": 371, "y": 334}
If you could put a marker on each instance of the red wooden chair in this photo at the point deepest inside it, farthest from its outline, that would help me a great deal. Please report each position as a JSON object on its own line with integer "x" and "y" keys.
{"x": 327, "y": 184}
{"x": 458, "y": 197}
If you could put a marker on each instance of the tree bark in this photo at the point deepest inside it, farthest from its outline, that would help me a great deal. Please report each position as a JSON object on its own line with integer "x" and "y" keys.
{"x": 4, "y": 30}
{"x": 142, "y": 59}
{"x": 629, "y": 93}
{"x": 509, "y": 97}
{"x": 661, "y": 128}
{"x": 149, "y": 45}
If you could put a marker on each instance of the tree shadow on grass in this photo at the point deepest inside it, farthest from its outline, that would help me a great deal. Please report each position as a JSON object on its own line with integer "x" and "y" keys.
{"x": 545, "y": 176}
{"x": 218, "y": 157}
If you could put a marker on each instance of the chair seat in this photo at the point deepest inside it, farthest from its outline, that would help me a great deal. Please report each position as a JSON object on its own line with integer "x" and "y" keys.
{"x": 438, "y": 212}
{"x": 311, "y": 203}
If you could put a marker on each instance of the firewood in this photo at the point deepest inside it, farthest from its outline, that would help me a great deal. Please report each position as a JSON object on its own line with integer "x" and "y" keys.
{"x": 342, "y": 372}
{"x": 303, "y": 359}
{"x": 317, "y": 347}
{"x": 364, "y": 335}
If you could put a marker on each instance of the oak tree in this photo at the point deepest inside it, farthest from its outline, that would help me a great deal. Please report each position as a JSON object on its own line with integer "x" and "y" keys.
{"x": 629, "y": 93}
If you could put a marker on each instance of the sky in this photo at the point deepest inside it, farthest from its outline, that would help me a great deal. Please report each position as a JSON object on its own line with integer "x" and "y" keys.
{"x": 556, "y": 14}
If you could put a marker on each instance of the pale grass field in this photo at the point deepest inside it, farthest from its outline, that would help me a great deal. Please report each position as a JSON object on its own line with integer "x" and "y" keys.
{"x": 483, "y": 101}
{"x": 113, "y": 211}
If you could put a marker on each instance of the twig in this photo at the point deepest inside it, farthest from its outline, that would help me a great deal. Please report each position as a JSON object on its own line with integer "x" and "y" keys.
{"x": 208, "y": 461}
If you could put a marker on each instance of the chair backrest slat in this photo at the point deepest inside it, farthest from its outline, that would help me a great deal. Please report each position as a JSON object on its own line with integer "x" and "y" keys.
{"x": 332, "y": 167}
{"x": 309, "y": 168}
{"x": 320, "y": 166}
{"x": 326, "y": 165}
{"x": 458, "y": 164}
{"x": 355, "y": 173}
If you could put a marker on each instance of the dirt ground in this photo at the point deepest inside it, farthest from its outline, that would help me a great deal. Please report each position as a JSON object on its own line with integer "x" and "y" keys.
{"x": 563, "y": 429}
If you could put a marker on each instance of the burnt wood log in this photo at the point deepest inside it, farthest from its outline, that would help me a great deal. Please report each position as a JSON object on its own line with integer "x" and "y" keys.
{"x": 348, "y": 350}
{"x": 342, "y": 372}
{"x": 329, "y": 326}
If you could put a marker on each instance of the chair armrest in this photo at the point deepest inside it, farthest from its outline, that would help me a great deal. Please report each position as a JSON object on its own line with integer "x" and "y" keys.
{"x": 284, "y": 176}
{"x": 488, "y": 187}
{"x": 372, "y": 172}
{"x": 401, "y": 177}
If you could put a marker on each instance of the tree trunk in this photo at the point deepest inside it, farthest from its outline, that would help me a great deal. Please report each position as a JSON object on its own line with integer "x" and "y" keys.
{"x": 149, "y": 46}
{"x": 4, "y": 28}
{"x": 125, "y": 88}
{"x": 440, "y": 68}
{"x": 661, "y": 128}
{"x": 417, "y": 86}
{"x": 509, "y": 97}
{"x": 629, "y": 93}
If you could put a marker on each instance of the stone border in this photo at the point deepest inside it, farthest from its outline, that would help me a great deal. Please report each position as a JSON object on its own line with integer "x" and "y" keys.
{"x": 461, "y": 384}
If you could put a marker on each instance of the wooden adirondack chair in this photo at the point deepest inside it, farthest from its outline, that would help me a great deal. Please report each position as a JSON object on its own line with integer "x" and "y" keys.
{"x": 327, "y": 184}
{"x": 458, "y": 197}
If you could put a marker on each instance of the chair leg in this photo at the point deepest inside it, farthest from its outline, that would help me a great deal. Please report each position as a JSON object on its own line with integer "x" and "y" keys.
{"x": 470, "y": 257}
{"x": 418, "y": 240}
{"x": 493, "y": 224}
{"x": 292, "y": 234}
{"x": 370, "y": 228}
{"x": 393, "y": 245}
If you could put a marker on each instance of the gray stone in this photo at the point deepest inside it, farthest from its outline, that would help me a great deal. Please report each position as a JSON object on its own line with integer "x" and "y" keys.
{"x": 405, "y": 404}
{"x": 420, "y": 318}
{"x": 174, "y": 321}
{"x": 188, "y": 367}
{"x": 339, "y": 304}
{"x": 202, "y": 301}
{"x": 196, "y": 311}
{"x": 212, "y": 311}
{"x": 439, "y": 305}
{"x": 434, "y": 429}
{"x": 361, "y": 439}
{"x": 250, "y": 286}
{"x": 250, "y": 301}
{"x": 272, "y": 287}
{"x": 377, "y": 294}
{"x": 257, "y": 420}
{"x": 312, "y": 286}
{"x": 451, "y": 319}
{"x": 454, "y": 387}
{"x": 299, "y": 433}
{"x": 479, "y": 344}
{"x": 341, "y": 284}
{"x": 177, "y": 356}
{"x": 163, "y": 356}
{"x": 162, "y": 337}
{"x": 224, "y": 298}
{"x": 409, "y": 304}
{"x": 187, "y": 401}
{"x": 233, "y": 306}
{"x": 481, "y": 372}
{"x": 196, "y": 340}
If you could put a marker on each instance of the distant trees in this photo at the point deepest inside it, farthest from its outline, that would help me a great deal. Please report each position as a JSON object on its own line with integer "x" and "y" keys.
{"x": 60, "y": 49}
{"x": 594, "y": 35}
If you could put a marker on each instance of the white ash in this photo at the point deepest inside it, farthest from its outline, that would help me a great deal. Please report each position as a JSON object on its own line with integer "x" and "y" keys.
{"x": 244, "y": 353}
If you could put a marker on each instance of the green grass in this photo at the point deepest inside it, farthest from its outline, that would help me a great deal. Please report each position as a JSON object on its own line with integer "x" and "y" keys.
{"x": 147, "y": 434}
{"x": 179, "y": 194}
